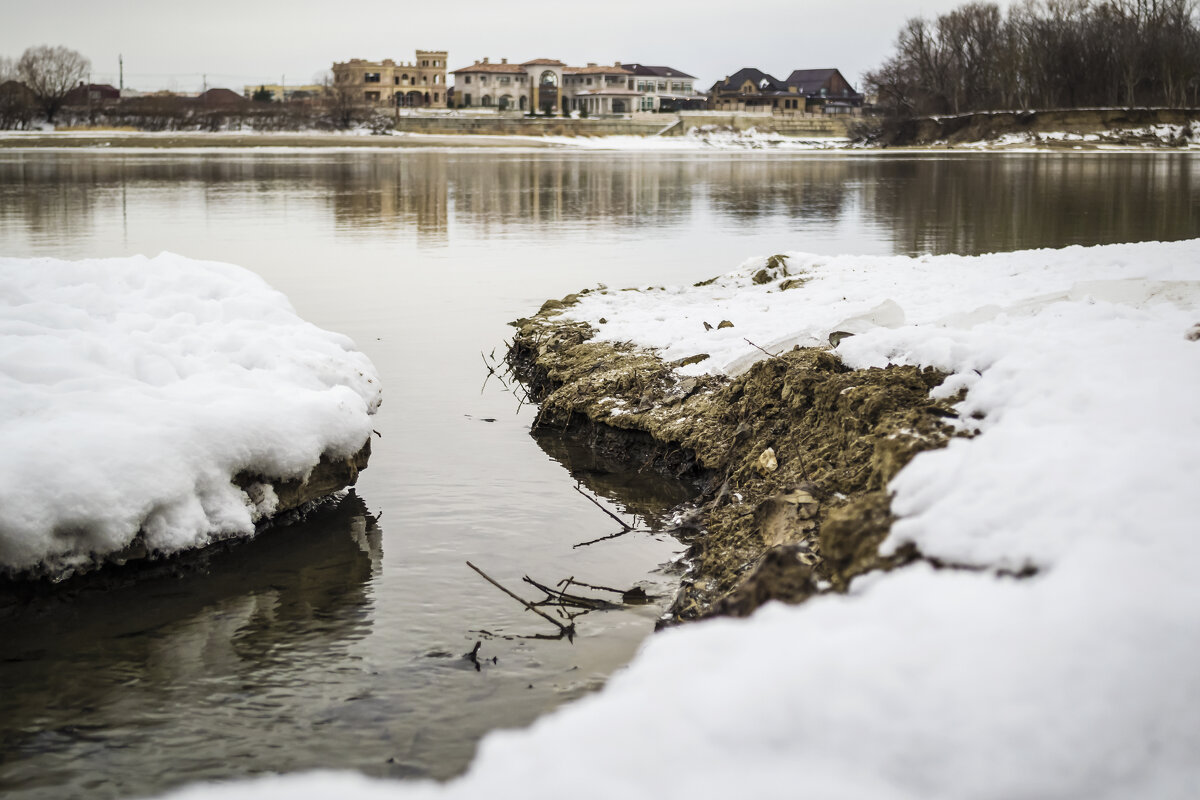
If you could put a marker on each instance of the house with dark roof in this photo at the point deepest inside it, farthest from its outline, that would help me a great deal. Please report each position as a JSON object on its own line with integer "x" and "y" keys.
{"x": 804, "y": 91}
{"x": 825, "y": 88}
{"x": 665, "y": 89}
{"x": 86, "y": 93}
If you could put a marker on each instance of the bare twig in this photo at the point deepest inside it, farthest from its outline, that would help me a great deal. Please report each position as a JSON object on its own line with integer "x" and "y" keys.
{"x": 603, "y": 538}
{"x": 562, "y": 598}
{"x": 566, "y": 583}
{"x": 627, "y": 527}
{"x": 752, "y": 344}
{"x": 567, "y": 630}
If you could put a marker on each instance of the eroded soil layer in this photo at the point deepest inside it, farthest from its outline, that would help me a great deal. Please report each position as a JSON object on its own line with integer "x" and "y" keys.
{"x": 794, "y": 455}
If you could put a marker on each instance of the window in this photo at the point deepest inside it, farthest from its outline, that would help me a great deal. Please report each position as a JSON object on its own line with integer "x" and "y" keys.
{"x": 505, "y": 80}
{"x": 662, "y": 86}
{"x": 647, "y": 104}
{"x": 397, "y": 80}
{"x": 371, "y": 77}
{"x": 435, "y": 97}
{"x": 466, "y": 78}
{"x": 371, "y": 95}
{"x": 467, "y": 100}
{"x": 437, "y": 79}
{"x": 483, "y": 78}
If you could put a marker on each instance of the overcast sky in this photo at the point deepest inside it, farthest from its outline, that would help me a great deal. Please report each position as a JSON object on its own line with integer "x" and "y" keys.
{"x": 169, "y": 45}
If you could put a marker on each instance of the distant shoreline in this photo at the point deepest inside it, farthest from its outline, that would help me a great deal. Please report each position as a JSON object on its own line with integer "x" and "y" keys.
{"x": 101, "y": 139}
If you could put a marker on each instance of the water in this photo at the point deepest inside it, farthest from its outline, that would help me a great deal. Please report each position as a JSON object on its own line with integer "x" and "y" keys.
{"x": 338, "y": 643}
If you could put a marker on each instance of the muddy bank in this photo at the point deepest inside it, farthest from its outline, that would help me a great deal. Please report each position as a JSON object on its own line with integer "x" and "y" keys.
{"x": 793, "y": 456}
{"x": 1111, "y": 126}
{"x": 294, "y": 498}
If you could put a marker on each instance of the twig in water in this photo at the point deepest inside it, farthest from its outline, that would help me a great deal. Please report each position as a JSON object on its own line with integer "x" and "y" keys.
{"x": 752, "y": 344}
{"x": 603, "y": 538}
{"x": 562, "y": 598}
{"x": 566, "y": 630}
{"x": 627, "y": 527}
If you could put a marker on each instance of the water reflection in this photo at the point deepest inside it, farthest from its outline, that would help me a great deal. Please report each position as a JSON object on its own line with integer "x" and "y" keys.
{"x": 963, "y": 203}
{"x": 129, "y": 679}
{"x": 644, "y": 494}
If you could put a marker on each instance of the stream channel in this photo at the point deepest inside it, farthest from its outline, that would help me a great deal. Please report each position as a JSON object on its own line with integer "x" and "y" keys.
{"x": 338, "y": 643}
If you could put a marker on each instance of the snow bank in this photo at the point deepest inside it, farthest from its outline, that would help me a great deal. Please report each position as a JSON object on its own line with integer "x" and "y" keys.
{"x": 132, "y": 391}
{"x": 1082, "y": 370}
{"x": 707, "y": 138}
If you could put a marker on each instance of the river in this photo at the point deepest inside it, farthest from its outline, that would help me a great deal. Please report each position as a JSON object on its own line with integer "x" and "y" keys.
{"x": 338, "y": 643}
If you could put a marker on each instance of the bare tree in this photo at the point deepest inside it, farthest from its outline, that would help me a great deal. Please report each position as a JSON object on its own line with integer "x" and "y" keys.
{"x": 8, "y": 69}
{"x": 50, "y": 73}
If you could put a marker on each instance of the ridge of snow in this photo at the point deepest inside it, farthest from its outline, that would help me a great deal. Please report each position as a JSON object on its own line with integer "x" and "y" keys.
{"x": 132, "y": 390}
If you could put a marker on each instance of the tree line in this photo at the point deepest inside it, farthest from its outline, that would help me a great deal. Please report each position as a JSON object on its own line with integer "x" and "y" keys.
{"x": 1044, "y": 54}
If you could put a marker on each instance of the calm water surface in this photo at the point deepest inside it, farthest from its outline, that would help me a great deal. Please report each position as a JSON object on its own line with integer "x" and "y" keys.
{"x": 337, "y": 643}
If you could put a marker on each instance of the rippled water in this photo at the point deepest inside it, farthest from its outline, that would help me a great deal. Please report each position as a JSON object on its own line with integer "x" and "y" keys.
{"x": 337, "y": 643}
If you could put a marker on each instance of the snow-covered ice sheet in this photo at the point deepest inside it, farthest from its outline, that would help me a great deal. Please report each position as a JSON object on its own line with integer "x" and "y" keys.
{"x": 132, "y": 390}
{"x": 1082, "y": 371}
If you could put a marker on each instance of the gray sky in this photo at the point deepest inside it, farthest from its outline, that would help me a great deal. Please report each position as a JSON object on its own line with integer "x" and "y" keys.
{"x": 169, "y": 45}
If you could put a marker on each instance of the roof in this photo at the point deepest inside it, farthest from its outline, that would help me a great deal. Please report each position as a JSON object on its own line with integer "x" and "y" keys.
{"x": 592, "y": 69}
{"x": 543, "y": 62}
{"x": 811, "y": 80}
{"x": 765, "y": 83}
{"x": 658, "y": 72}
{"x": 218, "y": 96}
{"x": 480, "y": 66}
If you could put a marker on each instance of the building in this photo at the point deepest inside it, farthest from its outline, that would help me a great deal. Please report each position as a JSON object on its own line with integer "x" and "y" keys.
{"x": 276, "y": 92}
{"x": 548, "y": 85}
{"x": 804, "y": 91}
{"x": 419, "y": 84}
{"x": 665, "y": 89}
{"x": 597, "y": 90}
{"x": 502, "y": 85}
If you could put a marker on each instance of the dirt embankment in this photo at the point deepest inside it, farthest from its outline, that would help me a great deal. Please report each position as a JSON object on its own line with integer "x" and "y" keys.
{"x": 1121, "y": 126}
{"x": 795, "y": 454}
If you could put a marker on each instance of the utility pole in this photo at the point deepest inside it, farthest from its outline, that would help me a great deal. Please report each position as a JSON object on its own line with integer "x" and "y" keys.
{"x": 121, "y": 62}
{"x": 282, "y": 88}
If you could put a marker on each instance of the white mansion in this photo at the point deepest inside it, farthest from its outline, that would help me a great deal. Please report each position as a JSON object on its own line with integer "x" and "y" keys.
{"x": 545, "y": 84}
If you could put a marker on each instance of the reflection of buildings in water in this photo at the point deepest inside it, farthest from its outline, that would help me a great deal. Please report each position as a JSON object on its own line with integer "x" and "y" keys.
{"x": 500, "y": 193}
{"x": 169, "y": 645}
{"x": 375, "y": 191}
{"x": 802, "y": 189}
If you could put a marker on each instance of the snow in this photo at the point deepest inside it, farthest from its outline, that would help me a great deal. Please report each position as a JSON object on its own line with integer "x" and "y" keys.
{"x": 1083, "y": 372}
{"x": 132, "y": 390}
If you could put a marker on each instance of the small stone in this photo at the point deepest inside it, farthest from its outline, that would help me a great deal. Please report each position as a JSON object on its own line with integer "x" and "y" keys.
{"x": 603, "y": 321}
{"x": 550, "y": 305}
{"x": 683, "y": 362}
{"x": 707, "y": 327}
{"x": 767, "y": 462}
{"x": 1193, "y": 335}
{"x": 836, "y": 337}
{"x": 724, "y": 324}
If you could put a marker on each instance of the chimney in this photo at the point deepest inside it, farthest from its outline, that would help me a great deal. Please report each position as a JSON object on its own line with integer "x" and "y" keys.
{"x": 591, "y": 63}
{"x": 616, "y": 63}
{"x": 504, "y": 61}
{"x": 485, "y": 59}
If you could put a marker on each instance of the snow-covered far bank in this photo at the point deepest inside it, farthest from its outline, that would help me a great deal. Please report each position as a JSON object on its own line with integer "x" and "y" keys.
{"x": 705, "y": 139}
{"x": 1164, "y": 137}
{"x": 134, "y": 390}
{"x": 1082, "y": 372}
